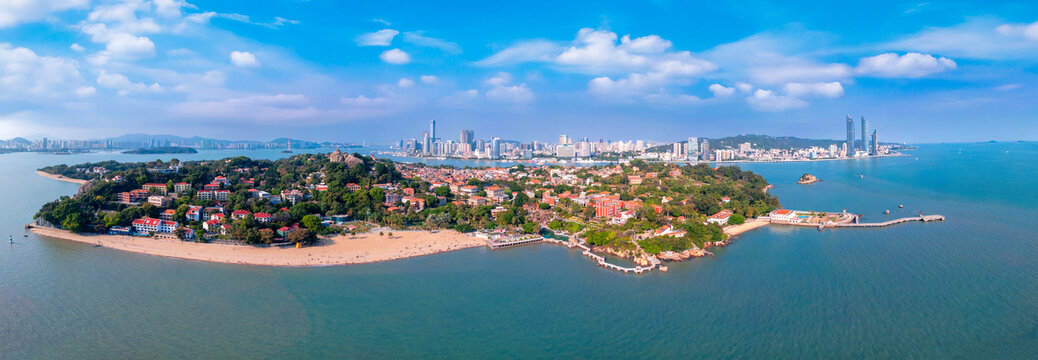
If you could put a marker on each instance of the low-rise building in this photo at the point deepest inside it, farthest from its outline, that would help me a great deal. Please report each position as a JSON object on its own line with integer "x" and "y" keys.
{"x": 158, "y": 200}
{"x": 146, "y": 225}
{"x": 720, "y": 218}
{"x": 155, "y": 188}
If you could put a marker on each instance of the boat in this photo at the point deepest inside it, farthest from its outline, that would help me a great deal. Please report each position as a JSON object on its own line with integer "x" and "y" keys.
{"x": 12, "y": 238}
{"x": 900, "y": 206}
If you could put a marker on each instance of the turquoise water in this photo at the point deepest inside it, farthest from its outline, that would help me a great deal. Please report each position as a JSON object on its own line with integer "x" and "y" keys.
{"x": 964, "y": 288}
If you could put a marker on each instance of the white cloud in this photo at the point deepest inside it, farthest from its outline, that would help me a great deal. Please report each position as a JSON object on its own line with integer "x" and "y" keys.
{"x": 23, "y": 72}
{"x": 1028, "y": 31}
{"x": 803, "y": 72}
{"x": 766, "y": 100}
{"x": 382, "y": 21}
{"x": 978, "y": 38}
{"x": 264, "y": 108}
{"x": 596, "y": 52}
{"x": 827, "y": 89}
{"x": 130, "y": 47}
{"x": 502, "y": 90}
{"x": 518, "y": 94}
{"x": 721, "y": 91}
{"x": 77, "y": 48}
{"x": 743, "y": 87}
{"x": 630, "y": 67}
{"x": 395, "y": 56}
{"x": 382, "y": 37}
{"x": 86, "y": 91}
{"x": 429, "y": 79}
{"x": 1008, "y": 87}
{"x": 417, "y": 38}
{"x": 499, "y": 79}
{"x": 123, "y": 85}
{"x": 244, "y": 59}
{"x": 910, "y": 65}
{"x": 460, "y": 98}
{"x": 529, "y": 51}
{"x": 14, "y": 12}
{"x": 405, "y": 83}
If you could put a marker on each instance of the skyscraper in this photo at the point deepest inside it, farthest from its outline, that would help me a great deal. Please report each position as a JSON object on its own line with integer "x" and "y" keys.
{"x": 864, "y": 134}
{"x": 432, "y": 129}
{"x": 563, "y": 139}
{"x": 850, "y": 136}
{"x": 704, "y": 150}
{"x": 692, "y": 149}
{"x": 426, "y": 143}
{"x": 495, "y": 148}
{"x": 875, "y": 143}
{"x": 677, "y": 150}
{"x": 466, "y": 136}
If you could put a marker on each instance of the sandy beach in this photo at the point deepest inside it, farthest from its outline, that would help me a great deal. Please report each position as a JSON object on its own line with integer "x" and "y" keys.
{"x": 61, "y": 178}
{"x": 750, "y": 224}
{"x": 338, "y": 250}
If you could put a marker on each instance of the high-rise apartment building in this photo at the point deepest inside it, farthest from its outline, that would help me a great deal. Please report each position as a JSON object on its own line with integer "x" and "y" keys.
{"x": 864, "y": 134}
{"x": 850, "y": 136}
{"x": 692, "y": 149}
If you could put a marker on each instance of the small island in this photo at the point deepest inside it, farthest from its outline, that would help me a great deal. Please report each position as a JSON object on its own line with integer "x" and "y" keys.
{"x": 807, "y": 179}
{"x": 339, "y": 208}
{"x": 163, "y": 150}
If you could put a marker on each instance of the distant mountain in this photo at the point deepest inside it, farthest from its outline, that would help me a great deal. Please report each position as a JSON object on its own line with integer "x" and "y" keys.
{"x": 163, "y": 140}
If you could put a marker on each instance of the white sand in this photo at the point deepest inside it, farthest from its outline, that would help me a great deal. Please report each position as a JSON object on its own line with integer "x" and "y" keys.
{"x": 61, "y": 178}
{"x": 340, "y": 250}
{"x": 750, "y": 224}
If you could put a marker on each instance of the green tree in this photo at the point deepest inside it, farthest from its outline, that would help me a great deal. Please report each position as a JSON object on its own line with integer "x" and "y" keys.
{"x": 531, "y": 227}
{"x": 736, "y": 219}
{"x": 302, "y": 236}
{"x": 72, "y": 223}
{"x": 312, "y": 222}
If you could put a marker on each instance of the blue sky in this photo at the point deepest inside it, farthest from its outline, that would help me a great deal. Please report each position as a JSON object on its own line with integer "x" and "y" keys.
{"x": 379, "y": 70}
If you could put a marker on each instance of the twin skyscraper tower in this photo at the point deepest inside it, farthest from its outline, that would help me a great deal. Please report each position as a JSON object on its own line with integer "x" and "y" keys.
{"x": 866, "y": 146}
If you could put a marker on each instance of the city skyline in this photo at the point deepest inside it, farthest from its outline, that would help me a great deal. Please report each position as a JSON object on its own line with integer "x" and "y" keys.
{"x": 90, "y": 69}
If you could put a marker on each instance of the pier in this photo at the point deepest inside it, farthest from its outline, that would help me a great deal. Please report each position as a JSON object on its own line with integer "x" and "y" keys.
{"x": 922, "y": 218}
{"x": 601, "y": 261}
{"x": 511, "y": 241}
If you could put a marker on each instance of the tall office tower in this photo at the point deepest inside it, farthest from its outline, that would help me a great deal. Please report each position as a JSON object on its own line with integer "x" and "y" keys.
{"x": 875, "y": 143}
{"x": 850, "y": 136}
{"x": 563, "y": 139}
{"x": 692, "y": 149}
{"x": 466, "y": 136}
{"x": 432, "y": 129}
{"x": 495, "y": 148}
{"x": 426, "y": 143}
{"x": 864, "y": 134}
{"x": 677, "y": 150}
{"x": 704, "y": 150}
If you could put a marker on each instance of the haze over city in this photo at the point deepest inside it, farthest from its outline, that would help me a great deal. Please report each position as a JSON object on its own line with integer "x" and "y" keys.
{"x": 349, "y": 71}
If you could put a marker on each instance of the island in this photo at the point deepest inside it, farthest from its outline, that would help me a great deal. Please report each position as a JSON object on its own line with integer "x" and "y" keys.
{"x": 163, "y": 150}
{"x": 807, "y": 179}
{"x": 338, "y": 208}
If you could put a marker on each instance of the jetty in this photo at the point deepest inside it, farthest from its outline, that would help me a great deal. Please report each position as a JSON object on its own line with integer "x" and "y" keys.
{"x": 921, "y": 218}
{"x": 512, "y": 241}
{"x": 601, "y": 261}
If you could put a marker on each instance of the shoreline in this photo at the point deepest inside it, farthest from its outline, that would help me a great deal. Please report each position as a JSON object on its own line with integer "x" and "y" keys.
{"x": 735, "y": 230}
{"x": 333, "y": 251}
{"x": 61, "y": 178}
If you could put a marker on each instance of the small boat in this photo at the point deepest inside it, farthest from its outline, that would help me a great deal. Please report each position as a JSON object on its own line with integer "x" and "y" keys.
{"x": 900, "y": 206}
{"x": 887, "y": 212}
{"x": 12, "y": 238}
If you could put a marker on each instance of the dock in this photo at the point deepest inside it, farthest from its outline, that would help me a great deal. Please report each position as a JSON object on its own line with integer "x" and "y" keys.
{"x": 923, "y": 218}
{"x": 512, "y": 241}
